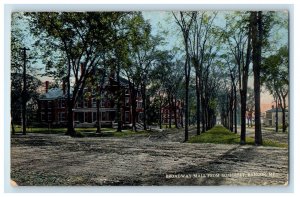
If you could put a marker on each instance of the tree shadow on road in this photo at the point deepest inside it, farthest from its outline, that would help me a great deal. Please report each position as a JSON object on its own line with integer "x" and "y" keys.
{"x": 209, "y": 173}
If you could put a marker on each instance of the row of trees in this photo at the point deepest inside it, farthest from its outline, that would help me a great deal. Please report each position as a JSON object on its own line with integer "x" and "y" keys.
{"x": 244, "y": 42}
{"x": 208, "y": 71}
{"x": 75, "y": 46}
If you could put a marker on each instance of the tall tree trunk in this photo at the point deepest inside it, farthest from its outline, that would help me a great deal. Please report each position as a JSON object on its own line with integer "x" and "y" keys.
{"x": 235, "y": 110}
{"x": 187, "y": 84}
{"x": 12, "y": 127}
{"x": 119, "y": 95}
{"x": 244, "y": 86}
{"x": 283, "y": 115}
{"x": 198, "y": 103}
{"x": 175, "y": 113}
{"x": 243, "y": 115}
{"x": 276, "y": 114}
{"x": 70, "y": 130}
{"x": 231, "y": 110}
{"x": 206, "y": 116}
{"x": 187, "y": 79}
{"x": 144, "y": 106}
{"x": 24, "y": 93}
{"x": 283, "y": 121}
{"x": 98, "y": 116}
{"x": 133, "y": 105}
{"x": 170, "y": 111}
{"x": 256, "y": 20}
{"x": 203, "y": 115}
{"x": 185, "y": 28}
{"x": 160, "y": 114}
{"x": 181, "y": 114}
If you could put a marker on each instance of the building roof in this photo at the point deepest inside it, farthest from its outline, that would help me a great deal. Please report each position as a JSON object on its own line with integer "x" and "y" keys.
{"x": 123, "y": 81}
{"x": 52, "y": 93}
{"x": 274, "y": 110}
{"x": 55, "y": 93}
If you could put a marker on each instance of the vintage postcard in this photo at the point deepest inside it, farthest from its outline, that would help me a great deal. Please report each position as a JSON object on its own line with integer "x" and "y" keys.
{"x": 142, "y": 98}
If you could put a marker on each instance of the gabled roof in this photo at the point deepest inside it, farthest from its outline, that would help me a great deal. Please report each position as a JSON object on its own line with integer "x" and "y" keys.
{"x": 55, "y": 93}
{"x": 52, "y": 93}
{"x": 123, "y": 81}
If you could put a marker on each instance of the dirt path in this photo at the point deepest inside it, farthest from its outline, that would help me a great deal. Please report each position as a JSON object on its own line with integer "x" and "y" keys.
{"x": 156, "y": 159}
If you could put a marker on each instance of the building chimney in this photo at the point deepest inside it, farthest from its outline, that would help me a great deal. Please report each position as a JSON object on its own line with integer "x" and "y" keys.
{"x": 46, "y": 86}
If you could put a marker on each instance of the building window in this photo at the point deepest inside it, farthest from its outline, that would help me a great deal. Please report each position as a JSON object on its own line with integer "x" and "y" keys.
{"x": 85, "y": 103}
{"x": 127, "y": 116}
{"x": 102, "y": 104}
{"x": 126, "y": 101}
{"x": 49, "y": 104}
{"x": 49, "y": 117}
{"x": 62, "y": 116}
{"x": 43, "y": 117}
{"x": 61, "y": 103}
{"x": 94, "y": 116}
{"x": 80, "y": 117}
{"x": 94, "y": 102}
{"x": 103, "y": 114}
{"x": 86, "y": 116}
{"x": 79, "y": 104}
{"x": 94, "y": 91}
{"x": 139, "y": 105}
{"x": 43, "y": 103}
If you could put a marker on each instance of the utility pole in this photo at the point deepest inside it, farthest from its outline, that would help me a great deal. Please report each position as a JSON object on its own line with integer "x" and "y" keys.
{"x": 24, "y": 92}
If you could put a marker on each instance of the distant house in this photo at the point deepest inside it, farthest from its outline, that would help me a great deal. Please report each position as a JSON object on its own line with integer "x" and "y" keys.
{"x": 270, "y": 116}
{"x": 167, "y": 113}
{"x": 52, "y": 106}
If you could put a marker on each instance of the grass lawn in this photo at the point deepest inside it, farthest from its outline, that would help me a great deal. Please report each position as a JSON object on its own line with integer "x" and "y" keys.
{"x": 82, "y": 132}
{"x": 166, "y": 126}
{"x": 44, "y": 130}
{"x": 221, "y": 135}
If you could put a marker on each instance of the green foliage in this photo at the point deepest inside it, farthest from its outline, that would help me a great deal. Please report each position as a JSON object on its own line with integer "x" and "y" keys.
{"x": 17, "y": 38}
{"x": 218, "y": 135}
{"x": 43, "y": 130}
{"x": 16, "y": 94}
{"x": 275, "y": 67}
{"x": 221, "y": 135}
{"x": 275, "y": 73}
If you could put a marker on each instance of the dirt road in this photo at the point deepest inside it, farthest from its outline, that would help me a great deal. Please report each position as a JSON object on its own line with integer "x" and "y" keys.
{"x": 157, "y": 159}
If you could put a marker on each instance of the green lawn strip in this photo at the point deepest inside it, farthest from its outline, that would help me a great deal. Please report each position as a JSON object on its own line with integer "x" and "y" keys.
{"x": 130, "y": 132}
{"x": 43, "y": 130}
{"x": 166, "y": 126}
{"x": 221, "y": 135}
{"x": 84, "y": 132}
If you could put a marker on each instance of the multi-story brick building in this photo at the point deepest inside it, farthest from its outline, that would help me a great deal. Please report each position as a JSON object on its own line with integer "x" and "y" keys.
{"x": 52, "y": 106}
{"x": 167, "y": 113}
